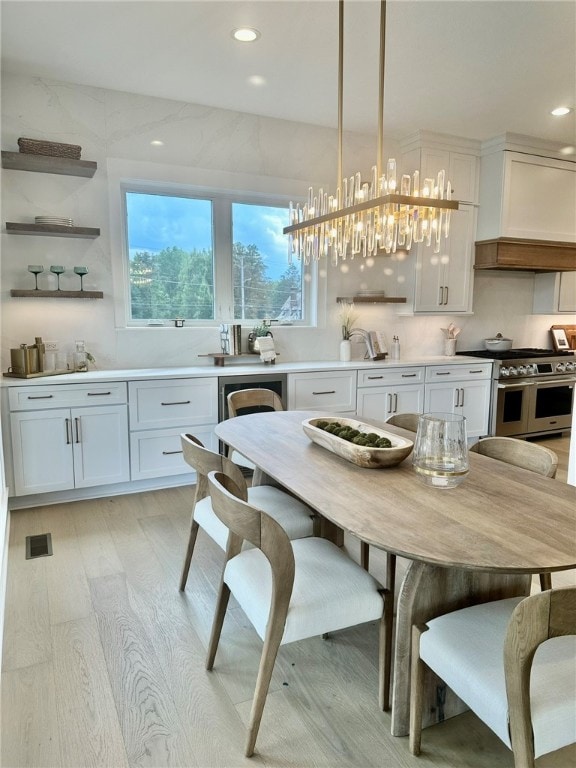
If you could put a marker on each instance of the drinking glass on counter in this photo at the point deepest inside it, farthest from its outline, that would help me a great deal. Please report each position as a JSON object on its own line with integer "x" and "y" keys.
{"x": 440, "y": 457}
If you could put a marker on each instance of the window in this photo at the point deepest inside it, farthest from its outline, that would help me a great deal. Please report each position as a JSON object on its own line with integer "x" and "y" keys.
{"x": 212, "y": 258}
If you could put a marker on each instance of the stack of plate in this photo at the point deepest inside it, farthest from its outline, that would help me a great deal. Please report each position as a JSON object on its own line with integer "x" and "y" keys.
{"x": 62, "y": 221}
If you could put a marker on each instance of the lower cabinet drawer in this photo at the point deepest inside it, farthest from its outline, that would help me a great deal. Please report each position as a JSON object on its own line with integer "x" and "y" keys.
{"x": 330, "y": 391}
{"x": 158, "y": 452}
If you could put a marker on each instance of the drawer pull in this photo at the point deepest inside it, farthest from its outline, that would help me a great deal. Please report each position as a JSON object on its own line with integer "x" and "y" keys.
{"x": 67, "y": 423}
{"x": 77, "y": 428}
{"x": 39, "y": 397}
{"x": 372, "y": 378}
{"x": 408, "y": 376}
{"x": 480, "y": 371}
{"x": 327, "y": 392}
{"x": 181, "y": 402}
{"x": 444, "y": 373}
{"x": 169, "y": 453}
{"x": 97, "y": 394}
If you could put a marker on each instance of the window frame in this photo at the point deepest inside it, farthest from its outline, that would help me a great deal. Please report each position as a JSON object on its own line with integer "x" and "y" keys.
{"x": 222, "y": 202}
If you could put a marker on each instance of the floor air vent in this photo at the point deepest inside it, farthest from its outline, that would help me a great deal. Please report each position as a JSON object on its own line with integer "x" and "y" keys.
{"x": 38, "y": 546}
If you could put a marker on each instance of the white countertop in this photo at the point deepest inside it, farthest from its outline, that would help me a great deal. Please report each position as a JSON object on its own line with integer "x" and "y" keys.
{"x": 237, "y": 369}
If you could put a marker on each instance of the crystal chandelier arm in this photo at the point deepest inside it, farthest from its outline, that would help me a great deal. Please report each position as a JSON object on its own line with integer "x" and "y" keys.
{"x": 421, "y": 202}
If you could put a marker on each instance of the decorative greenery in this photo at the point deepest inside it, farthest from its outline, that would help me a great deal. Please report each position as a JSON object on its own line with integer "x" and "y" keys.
{"x": 261, "y": 330}
{"x": 347, "y": 317}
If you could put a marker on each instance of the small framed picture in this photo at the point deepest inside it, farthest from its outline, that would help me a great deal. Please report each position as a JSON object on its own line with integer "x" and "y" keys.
{"x": 560, "y": 339}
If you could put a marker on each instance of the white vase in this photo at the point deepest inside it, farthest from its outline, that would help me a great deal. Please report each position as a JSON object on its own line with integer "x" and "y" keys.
{"x": 345, "y": 351}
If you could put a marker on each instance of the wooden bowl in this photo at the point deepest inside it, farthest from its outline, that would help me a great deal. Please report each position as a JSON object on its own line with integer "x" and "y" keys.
{"x": 361, "y": 455}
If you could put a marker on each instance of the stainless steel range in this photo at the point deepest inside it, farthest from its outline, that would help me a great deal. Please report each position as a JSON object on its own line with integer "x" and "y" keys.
{"x": 533, "y": 391}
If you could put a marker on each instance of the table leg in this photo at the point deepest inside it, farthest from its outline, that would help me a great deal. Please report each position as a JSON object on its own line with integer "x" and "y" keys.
{"x": 428, "y": 591}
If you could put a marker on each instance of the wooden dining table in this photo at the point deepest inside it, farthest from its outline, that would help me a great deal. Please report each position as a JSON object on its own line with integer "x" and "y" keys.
{"x": 479, "y": 541}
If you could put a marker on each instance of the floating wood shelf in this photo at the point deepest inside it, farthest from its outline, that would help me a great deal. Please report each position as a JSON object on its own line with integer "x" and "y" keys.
{"x": 51, "y": 230}
{"x": 22, "y": 161}
{"x": 371, "y": 299}
{"x": 220, "y": 358}
{"x": 39, "y": 294}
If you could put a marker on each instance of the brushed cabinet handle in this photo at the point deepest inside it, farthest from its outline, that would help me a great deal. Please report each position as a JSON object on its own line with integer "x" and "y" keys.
{"x": 373, "y": 378}
{"x": 462, "y": 402}
{"x": 395, "y": 402}
{"x": 443, "y": 373}
{"x": 77, "y": 428}
{"x": 97, "y": 394}
{"x": 441, "y": 295}
{"x": 408, "y": 376}
{"x": 169, "y": 453}
{"x": 39, "y": 397}
{"x": 389, "y": 396}
{"x": 181, "y": 402}
{"x": 446, "y": 297}
{"x": 476, "y": 371}
{"x": 327, "y": 392}
{"x": 67, "y": 423}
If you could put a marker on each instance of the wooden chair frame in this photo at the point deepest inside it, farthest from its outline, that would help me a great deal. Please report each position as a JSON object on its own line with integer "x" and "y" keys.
{"x": 253, "y": 398}
{"x": 534, "y": 620}
{"x": 248, "y": 523}
{"x": 520, "y": 453}
{"x": 204, "y": 461}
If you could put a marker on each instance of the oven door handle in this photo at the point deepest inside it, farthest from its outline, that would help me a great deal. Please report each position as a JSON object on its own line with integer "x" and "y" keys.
{"x": 557, "y": 381}
{"x": 517, "y": 384}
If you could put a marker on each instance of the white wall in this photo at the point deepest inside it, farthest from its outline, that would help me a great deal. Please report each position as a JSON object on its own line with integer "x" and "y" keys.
{"x": 202, "y": 145}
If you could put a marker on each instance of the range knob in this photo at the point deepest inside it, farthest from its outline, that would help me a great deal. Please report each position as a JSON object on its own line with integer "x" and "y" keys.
{"x": 522, "y": 370}
{"x": 531, "y": 370}
{"x": 570, "y": 367}
{"x": 513, "y": 370}
{"x": 504, "y": 372}
{"x": 560, "y": 367}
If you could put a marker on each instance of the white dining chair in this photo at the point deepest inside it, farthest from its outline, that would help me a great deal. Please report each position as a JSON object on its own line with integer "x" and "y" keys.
{"x": 513, "y": 662}
{"x": 521, "y": 453}
{"x": 289, "y": 590}
{"x": 296, "y": 518}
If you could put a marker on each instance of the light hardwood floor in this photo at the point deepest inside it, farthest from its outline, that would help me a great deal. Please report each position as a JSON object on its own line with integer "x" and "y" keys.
{"x": 104, "y": 660}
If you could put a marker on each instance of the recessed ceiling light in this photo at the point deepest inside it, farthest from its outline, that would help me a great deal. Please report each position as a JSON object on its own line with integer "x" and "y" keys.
{"x": 157, "y": 143}
{"x": 245, "y": 34}
{"x": 560, "y": 111}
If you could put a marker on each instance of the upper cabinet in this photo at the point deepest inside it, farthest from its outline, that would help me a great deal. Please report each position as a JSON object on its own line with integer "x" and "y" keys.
{"x": 442, "y": 283}
{"x": 525, "y": 194}
{"x": 460, "y": 158}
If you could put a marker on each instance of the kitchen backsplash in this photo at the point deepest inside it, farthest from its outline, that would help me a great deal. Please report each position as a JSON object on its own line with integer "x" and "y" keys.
{"x": 242, "y": 151}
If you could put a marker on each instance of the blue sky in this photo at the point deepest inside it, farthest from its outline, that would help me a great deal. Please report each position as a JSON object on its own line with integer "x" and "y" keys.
{"x": 156, "y": 222}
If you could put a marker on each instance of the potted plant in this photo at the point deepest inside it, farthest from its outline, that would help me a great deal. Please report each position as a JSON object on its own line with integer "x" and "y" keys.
{"x": 347, "y": 317}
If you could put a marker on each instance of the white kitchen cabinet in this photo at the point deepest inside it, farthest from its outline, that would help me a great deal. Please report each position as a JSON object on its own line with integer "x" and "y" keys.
{"x": 554, "y": 293}
{"x": 383, "y": 392}
{"x": 526, "y": 195}
{"x": 430, "y": 152}
{"x": 331, "y": 391}
{"x": 462, "y": 389}
{"x": 160, "y": 410}
{"x": 59, "y": 447}
{"x": 443, "y": 281}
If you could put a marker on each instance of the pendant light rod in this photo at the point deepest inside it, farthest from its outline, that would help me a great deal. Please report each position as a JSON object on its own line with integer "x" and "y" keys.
{"x": 340, "y": 90}
{"x": 380, "y": 145}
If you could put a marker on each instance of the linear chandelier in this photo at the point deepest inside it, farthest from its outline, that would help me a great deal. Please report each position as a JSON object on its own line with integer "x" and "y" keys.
{"x": 366, "y": 218}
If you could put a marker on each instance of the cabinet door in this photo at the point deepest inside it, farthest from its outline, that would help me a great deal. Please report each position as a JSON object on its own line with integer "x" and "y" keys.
{"x": 383, "y": 402}
{"x": 474, "y": 404}
{"x": 441, "y": 398}
{"x": 42, "y": 451}
{"x": 100, "y": 442}
{"x": 444, "y": 280}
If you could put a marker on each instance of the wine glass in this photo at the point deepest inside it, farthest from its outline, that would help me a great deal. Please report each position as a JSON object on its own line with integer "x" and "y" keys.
{"x": 57, "y": 270}
{"x": 36, "y": 269}
{"x": 81, "y": 271}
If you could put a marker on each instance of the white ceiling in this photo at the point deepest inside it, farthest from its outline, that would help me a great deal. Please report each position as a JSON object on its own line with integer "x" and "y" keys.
{"x": 473, "y": 68}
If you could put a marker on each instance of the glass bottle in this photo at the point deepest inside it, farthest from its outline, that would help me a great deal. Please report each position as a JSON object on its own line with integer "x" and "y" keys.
{"x": 80, "y": 359}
